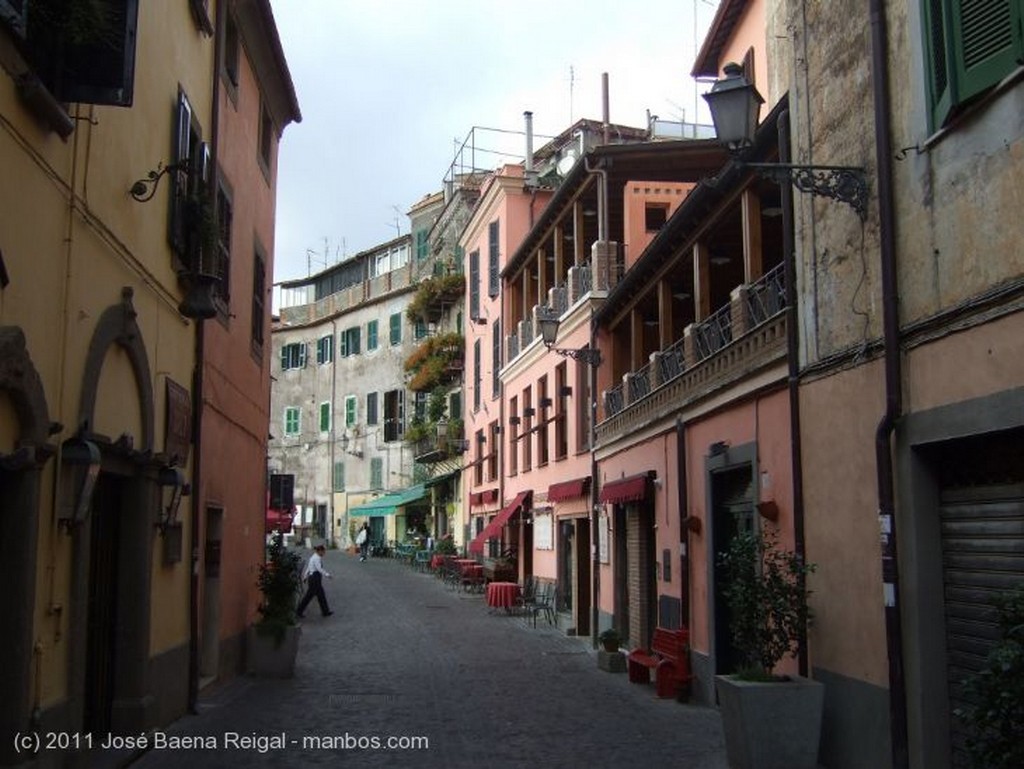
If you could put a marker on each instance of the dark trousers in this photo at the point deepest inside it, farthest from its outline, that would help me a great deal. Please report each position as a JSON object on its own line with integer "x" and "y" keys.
{"x": 314, "y": 587}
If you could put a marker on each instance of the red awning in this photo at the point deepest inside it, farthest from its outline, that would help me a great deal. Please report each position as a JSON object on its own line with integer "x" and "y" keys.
{"x": 279, "y": 520}
{"x": 558, "y": 492}
{"x": 631, "y": 489}
{"x": 493, "y": 529}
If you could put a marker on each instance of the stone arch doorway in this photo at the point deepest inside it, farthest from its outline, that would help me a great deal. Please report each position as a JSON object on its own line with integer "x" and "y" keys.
{"x": 21, "y": 471}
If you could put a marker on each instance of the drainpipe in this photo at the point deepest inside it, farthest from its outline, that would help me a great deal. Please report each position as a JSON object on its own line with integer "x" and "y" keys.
{"x": 684, "y": 531}
{"x": 793, "y": 362}
{"x": 595, "y": 554}
{"x": 893, "y": 382}
{"x": 197, "y": 398}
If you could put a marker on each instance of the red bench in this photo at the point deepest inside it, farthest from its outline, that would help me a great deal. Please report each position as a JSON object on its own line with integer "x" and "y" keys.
{"x": 668, "y": 657}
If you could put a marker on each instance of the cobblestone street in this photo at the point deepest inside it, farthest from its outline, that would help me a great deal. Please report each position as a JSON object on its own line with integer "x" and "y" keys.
{"x": 404, "y": 656}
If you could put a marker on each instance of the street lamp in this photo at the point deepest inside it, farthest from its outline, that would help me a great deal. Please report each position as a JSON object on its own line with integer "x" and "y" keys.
{"x": 734, "y": 104}
{"x": 548, "y": 321}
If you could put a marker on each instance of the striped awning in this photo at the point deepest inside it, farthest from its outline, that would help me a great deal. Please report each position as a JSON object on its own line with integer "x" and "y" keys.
{"x": 557, "y": 492}
{"x": 631, "y": 489}
{"x": 493, "y": 529}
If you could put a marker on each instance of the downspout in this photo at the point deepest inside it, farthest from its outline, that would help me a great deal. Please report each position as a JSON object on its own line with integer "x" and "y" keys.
{"x": 684, "y": 530}
{"x": 197, "y": 396}
{"x": 893, "y": 383}
{"x": 602, "y": 233}
{"x": 793, "y": 363}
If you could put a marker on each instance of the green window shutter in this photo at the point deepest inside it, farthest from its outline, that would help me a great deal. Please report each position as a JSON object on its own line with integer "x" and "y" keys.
{"x": 422, "y": 246}
{"x": 343, "y": 345}
{"x": 493, "y": 256}
{"x": 339, "y": 476}
{"x": 357, "y": 335}
{"x": 419, "y": 330}
{"x": 350, "y": 411}
{"x": 970, "y": 46}
{"x": 325, "y": 417}
{"x": 396, "y": 328}
{"x": 474, "y": 285}
{"x": 987, "y": 43}
{"x": 371, "y": 335}
{"x": 376, "y": 473}
{"x": 291, "y": 421}
{"x": 371, "y": 408}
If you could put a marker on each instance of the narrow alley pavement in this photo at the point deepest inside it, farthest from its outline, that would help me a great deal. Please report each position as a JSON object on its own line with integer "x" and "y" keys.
{"x": 405, "y": 657}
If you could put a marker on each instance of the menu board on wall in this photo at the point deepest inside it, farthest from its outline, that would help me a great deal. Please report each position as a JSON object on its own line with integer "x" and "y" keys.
{"x": 542, "y": 531}
{"x": 602, "y": 538}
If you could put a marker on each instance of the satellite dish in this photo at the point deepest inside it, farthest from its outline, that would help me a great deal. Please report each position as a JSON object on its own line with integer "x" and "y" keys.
{"x": 567, "y": 162}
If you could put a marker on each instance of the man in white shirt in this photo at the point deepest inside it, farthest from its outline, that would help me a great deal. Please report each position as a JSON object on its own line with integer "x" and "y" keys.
{"x": 313, "y": 576}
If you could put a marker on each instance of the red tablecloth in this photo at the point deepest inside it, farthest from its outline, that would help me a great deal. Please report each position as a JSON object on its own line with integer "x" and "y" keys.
{"x": 436, "y": 561}
{"x": 502, "y": 595}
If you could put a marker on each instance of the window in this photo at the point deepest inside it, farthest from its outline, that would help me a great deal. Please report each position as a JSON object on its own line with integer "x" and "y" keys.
{"x": 419, "y": 330}
{"x": 325, "y": 417}
{"x": 231, "y": 50}
{"x": 477, "y": 375}
{"x": 292, "y": 421}
{"x": 394, "y": 415}
{"x": 561, "y": 411}
{"x": 351, "y": 406}
{"x": 478, "y": 463}
{"x": 513, "y": 435}
{"x": 190, "y": 159}
{"x": 419, "y": 408}
{"x": 492, "y": 458}
{"x": 655, "y": 216}
{"x": 376, "y": 473}
{"x": 455, "y": 406}
{"x": 969, "y": 47}
{"x": 496, "y": 358}
{"x": 224, "y": 215}
{"x": 583, "y": 407}
{"x": 371, "y": 408}
{"x": 474, "y": 285}
{"x": 542, "y": 421}
{"x": 339, "y": 476}
{"x": 493, "y": 255}
{"x": 350, "y": 339}
{"x": 371, "y": 335}
{"x": 527, "y": 429}
{"x": 259, "y": 290}
{"x": 422, "y": 245}
{"x": 266, "y": 137}
{"x": 95, "y": 64}
{"x": 325, "y": 349}
{"x": 293, "y": 356}
{"x": 396, "y": 328}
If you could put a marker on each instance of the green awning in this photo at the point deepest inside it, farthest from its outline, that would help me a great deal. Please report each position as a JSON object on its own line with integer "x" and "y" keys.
{"x": 441, "y": 478}
{"x": 389, "y": 503}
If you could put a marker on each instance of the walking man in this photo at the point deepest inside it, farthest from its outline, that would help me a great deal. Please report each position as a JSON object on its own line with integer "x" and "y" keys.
{"x": 313, "y": 575}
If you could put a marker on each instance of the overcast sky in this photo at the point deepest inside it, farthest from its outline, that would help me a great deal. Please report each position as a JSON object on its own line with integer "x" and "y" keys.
{"x": 388, "y": 89}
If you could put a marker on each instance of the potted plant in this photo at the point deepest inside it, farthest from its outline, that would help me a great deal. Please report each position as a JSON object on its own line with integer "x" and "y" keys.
{"x": 273, "y": 642}
{"x": 610, "y": 640}
{"x": 995, "y": 716}
{"x": 770, "y": 720}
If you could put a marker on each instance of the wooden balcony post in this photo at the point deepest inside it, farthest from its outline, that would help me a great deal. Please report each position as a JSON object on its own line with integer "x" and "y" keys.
{"x": 740, "y": 311}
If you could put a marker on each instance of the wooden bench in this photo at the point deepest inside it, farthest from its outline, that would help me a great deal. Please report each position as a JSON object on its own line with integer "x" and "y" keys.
{"x": 668, "y": 657}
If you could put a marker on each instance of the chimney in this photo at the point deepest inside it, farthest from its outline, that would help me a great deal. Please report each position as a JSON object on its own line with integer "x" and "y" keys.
{"x": 530, "y": 174}
{"x": 604, "y": 103}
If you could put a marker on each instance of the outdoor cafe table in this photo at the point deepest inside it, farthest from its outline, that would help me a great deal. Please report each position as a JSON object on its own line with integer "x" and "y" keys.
{"x": 502, "y": 595}
{"x": 436, "y": 561}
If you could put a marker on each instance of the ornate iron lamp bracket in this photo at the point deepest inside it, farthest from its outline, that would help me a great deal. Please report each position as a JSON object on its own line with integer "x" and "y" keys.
{"x": 843, "y": 183}
{"x": 589, "y": 355}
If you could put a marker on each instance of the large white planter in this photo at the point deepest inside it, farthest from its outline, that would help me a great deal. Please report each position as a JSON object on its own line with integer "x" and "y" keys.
{"x": 771, "y": 725}
{"x": 264, "y": 657}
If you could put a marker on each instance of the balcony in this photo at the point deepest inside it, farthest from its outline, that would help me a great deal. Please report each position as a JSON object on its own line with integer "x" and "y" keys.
{"x": 739, "y": 339}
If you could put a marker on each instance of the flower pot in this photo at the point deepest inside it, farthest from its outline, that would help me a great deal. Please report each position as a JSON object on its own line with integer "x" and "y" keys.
{"x": 269, "y": 658}
{"x": 771, "y": 725}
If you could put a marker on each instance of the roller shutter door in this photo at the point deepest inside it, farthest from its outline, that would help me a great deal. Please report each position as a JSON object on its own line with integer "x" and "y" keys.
{"x": 983, "y": 556}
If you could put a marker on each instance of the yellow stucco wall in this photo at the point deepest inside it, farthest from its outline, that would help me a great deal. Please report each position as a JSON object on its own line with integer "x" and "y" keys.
{"x": 72, "y": 239}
